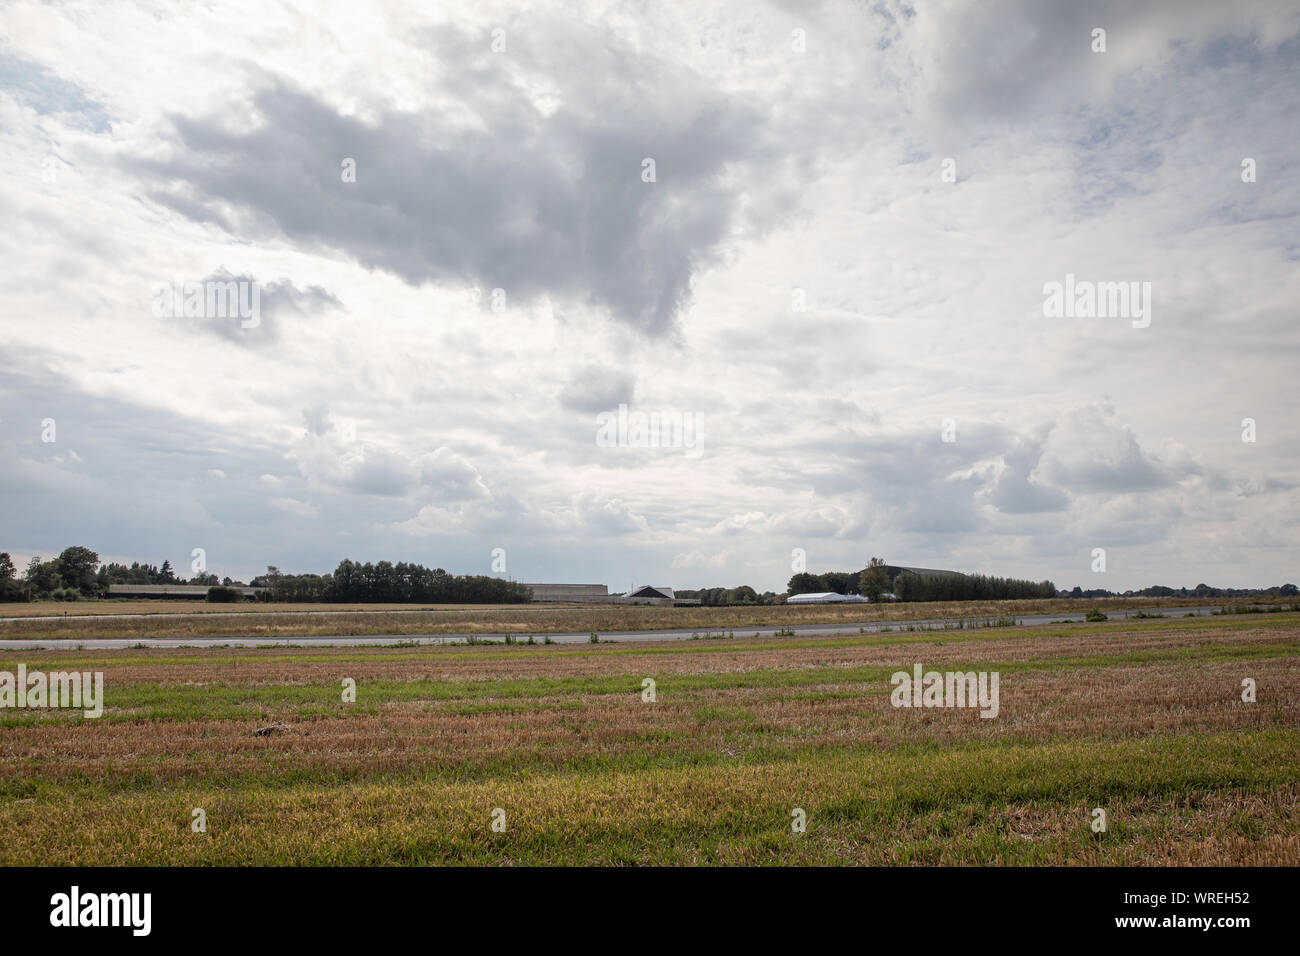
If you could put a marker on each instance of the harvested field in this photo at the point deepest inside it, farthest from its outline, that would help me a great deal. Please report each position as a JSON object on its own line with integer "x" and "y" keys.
{"x": 1144, "y": 719}
{"x": 274, "y": 621}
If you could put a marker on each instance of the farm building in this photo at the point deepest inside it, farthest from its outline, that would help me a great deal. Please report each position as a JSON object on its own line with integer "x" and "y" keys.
{"x": 569, "y": 592}
{"x": 894, "y": 570}
{"x": 646, "y": 591}
{"x": 191, "y": 591}
{"x": 826, "y": 597}
{"x": 599, "y": 594}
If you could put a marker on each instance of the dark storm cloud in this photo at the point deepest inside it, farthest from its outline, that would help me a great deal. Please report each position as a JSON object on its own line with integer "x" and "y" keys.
{"x": 531, "y": 203}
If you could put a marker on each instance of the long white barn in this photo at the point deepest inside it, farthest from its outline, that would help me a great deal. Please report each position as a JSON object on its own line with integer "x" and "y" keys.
{"x": 826, "y": 597}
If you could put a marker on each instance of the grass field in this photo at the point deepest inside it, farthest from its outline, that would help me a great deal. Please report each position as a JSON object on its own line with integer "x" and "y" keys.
{"x": 1142, "y": 718}
{"x": 272, "y": 621}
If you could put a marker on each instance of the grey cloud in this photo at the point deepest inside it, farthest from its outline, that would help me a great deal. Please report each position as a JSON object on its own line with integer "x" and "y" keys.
{"x": 447, "y": 476}
{"x": 1007, "y": 58}
{"x": 596, "y": 388}
{"x": 277, "y": 301}
{"x": 1016, "y": 492}
{"x": 316, "y": 419}
{"x": 1106, "y": 461}
{"x": 939, "y": 507}
{"x": 532, "y": 203}
{"x": 377, "y": 471}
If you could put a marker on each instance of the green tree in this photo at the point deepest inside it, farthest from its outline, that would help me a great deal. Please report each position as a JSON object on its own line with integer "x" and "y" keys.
{"x": 77, "y": 567}
{"x": 10, "y": 589}
{"x": 805, "y": 583}
{"x": 841, "y": 582}
{"x": 43, "y": 577}
{"x": 874, "y": 581}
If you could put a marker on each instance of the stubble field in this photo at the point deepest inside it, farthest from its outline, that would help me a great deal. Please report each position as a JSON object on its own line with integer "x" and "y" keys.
{"x": 91, "y": 620}
{"x": 1144, "y": 719}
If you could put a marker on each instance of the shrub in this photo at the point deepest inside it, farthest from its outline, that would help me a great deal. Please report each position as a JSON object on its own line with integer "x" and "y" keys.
{"x": 1095, "y": 615}
{"x": 222, "y": 595}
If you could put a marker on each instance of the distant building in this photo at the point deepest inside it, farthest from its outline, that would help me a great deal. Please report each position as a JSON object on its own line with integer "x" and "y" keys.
{"x": 192, "y": 591}
{"x": 826, "y": 597}
{"x": 577, "y": 593}
{"x": 894, "y": 570}
{"x": 599, "y": 594}
{"x": 652, "y": 592}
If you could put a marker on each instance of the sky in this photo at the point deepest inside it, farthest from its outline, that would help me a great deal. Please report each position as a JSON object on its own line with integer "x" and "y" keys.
{"x": 819, "y": 236}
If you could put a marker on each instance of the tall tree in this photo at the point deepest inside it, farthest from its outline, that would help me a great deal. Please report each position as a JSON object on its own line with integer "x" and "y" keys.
{"x": 805, "y": 583}
{"x": 77, "y": 568}
{"x": 874, "y": 581}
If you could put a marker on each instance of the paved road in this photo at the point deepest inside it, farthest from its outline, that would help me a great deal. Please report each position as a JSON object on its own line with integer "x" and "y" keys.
{"x": 675, "y": 634}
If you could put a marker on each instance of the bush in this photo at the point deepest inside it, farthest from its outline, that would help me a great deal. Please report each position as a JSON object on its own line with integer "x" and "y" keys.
{"x": 1095, "y": 615}
{"x": 222, "y": 595}
{"x": 12, "y": 591}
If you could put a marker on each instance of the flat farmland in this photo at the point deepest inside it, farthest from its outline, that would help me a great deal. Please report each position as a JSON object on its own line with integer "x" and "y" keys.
{"x": 557, "y": 745}
{"x": 165, "y": 607}
{"x": 156, "y": 619}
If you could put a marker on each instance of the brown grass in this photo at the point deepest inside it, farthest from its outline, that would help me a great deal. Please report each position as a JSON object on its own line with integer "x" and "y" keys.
{"x": 280, "y": 621}
{"x": 1145, "y": 718}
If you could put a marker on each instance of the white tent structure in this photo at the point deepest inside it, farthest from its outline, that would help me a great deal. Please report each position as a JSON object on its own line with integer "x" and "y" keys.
{"x": 825, "y": 597}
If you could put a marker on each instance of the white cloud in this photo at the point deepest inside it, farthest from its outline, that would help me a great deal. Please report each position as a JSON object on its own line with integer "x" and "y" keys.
{"x": 295, "y": 507}
{"x": 379, "y": 398}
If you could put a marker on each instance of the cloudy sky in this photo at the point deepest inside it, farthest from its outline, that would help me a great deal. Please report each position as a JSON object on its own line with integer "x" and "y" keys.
{"x": 801, "y": 276}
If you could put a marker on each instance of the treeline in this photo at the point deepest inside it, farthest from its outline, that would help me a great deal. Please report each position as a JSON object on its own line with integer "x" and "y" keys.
{"x": 386, "y": 583}
{"x": 722, "y": 597}
{"x": 77, "y": 573}
{"x": 1200, "y": 591}
{"x": 840, "y": 582}
{"x": 968, "y": 587}
{"x": 137, "y": 573}
{"x": 877, "y": 581}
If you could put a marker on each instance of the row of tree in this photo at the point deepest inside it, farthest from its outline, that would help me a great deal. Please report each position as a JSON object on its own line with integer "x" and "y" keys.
{"x": 137, "y": 573}
{"x": 878, "y": 579}
{"x": 386, "y": 583}
{"x": 968, "y": 587}
{"x": 69, "y": 576}
{"x": 743, "y": 595}
{"x": 77, "y": 573}
{"x": 872, "y": 582}
{"x": 1200, "y": 591}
